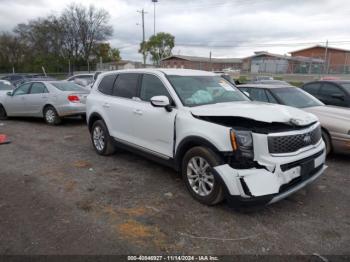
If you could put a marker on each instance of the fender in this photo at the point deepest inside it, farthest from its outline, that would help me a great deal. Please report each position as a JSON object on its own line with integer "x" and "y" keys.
{"x": 189, "y": 142}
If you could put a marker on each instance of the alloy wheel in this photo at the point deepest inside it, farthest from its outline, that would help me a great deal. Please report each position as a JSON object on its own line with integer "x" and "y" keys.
{"x": 199, "y": 176}
{"x": 50, "y": 116}
{"x": 99, "y": 138}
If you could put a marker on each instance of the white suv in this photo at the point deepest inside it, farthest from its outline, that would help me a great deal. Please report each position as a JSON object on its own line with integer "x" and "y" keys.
{"x": 224, "y": 145}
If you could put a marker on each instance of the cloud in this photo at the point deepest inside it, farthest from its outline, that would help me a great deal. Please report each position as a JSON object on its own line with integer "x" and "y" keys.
{"x": 228, "y": 28}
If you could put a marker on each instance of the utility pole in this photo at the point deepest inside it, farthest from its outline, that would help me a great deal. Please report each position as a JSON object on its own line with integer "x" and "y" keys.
{"x": 325, "y": 59}
{"x": 154, "y": 16}
{"x": 211, "y": 65}
{"x": 143, "y": 34}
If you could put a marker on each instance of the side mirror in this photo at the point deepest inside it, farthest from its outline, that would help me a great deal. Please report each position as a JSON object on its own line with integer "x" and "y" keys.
{"x": 161, "y": 101}
{"x": 9, "y": 93}
{"x": 338, "y": 96}
{"x": 246, "y": 93}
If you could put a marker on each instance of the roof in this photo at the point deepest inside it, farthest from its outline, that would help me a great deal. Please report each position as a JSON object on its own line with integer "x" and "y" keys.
{"x": 319, "y": 46}
{"x": 265, "y": 86}
{"x": 205, "y": 59}
{"x": 167, "y": 71}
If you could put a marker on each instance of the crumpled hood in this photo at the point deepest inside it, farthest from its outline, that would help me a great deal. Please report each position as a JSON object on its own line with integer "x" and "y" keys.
{"x": 258, "y": 111}
{"x": 332, "y": 112}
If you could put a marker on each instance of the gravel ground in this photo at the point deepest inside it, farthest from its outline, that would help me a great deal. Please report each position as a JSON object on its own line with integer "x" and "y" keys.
{"x": 57, "y": 196}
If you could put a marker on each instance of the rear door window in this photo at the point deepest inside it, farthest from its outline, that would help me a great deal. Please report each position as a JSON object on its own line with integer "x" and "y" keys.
{"x": 106, "y": 84}
{"x": 126, "y": 85}
{"x": 38, "y": 88}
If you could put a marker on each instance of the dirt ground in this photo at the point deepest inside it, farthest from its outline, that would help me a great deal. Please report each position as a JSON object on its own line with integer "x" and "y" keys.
{"x": 57, "y": 196}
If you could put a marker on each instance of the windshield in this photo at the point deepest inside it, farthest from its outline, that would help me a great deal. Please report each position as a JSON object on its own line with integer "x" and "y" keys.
{"x": 4, "y": 86}
{"x": 346, "y": 86}
{"x": 203, "y": 90}
{"x": 293, "y": 96}
{"x": 67, "y": 86}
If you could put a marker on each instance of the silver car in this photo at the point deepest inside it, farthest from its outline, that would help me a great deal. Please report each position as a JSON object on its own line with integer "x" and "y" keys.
{"x": 51, "y": 100}
{"x": 335, "y": 121}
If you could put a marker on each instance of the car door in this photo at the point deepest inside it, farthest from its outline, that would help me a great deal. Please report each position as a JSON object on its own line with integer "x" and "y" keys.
{"x": 153, "y": 126}
{"x": 119, "y": 107}
{"x": 37, "y": 98}
{"x": 331, "y": 94}
{"x": 16, "y": 105}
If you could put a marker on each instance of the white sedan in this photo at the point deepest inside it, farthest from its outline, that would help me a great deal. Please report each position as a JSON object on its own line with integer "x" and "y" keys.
{"x": 51, "y": 100}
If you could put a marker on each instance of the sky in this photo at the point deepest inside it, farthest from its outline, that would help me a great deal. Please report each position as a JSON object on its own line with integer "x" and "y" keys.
{"x": 226, "y": 28}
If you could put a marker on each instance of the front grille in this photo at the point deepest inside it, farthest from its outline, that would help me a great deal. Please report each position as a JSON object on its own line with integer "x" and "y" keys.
{"x": 292, "y": 143}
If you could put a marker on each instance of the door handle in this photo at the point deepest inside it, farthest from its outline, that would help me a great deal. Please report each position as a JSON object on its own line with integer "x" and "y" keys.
{"x": 106, "y": 105}
{"x": 138, "y": 112}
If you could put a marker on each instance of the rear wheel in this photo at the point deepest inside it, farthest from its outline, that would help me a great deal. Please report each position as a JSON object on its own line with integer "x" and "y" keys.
{"x": 101, "y": 140}
{"x": 327, "y": 141}
{"x": 3, "y": 114}
{"x": 51, "y": 117}
{"x": 198, "y": 175}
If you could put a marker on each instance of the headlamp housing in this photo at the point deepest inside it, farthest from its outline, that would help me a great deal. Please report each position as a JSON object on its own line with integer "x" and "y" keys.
{"x": 242, "y": 143}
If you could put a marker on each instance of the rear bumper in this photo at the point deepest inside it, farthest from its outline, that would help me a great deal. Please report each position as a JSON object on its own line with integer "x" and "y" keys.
{"x": 259, "y": 186}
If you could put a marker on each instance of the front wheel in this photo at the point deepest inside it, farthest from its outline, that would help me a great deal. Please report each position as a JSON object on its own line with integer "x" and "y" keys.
{"x": 3, "y": 114}
{"x": 198, "y": 175}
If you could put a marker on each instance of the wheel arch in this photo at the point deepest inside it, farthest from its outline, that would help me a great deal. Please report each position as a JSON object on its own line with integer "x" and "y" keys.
{"x": 325, "y": 130}
{"x": 93, "y": 118}
{"x": 45, "y": 106}
{"x": 188, "y": 143}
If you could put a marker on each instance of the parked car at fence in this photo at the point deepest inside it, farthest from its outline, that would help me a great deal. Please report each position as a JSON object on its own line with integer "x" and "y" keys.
{"x": 224, "y": 145}
{"x": 335, "y": 121}
{"x": 51, "y": 100}
{"x": 270, "y": 82}
{"x": 330, "y": 92}
{"x": 18, "y": 79}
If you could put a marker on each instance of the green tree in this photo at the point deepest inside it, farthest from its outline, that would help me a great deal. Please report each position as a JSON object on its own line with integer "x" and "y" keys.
{"x": 159, "y": 46}
{"x": 106, "y": 52}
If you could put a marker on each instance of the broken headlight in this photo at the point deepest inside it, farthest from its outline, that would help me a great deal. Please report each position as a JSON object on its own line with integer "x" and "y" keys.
{"x": 242, "y": 142}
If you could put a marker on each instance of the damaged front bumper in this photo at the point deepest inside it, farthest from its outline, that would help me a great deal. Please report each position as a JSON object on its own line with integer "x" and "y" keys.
{"x": 281, "y": 177}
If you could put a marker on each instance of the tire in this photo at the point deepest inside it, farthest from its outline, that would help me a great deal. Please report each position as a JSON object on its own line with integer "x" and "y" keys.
{"x": 51, "y": 117}
{"x": 206, "y": 194}
{"x": 3, "y": 114}
{"x": 327, "y": 141}
{"x": 101, "y": 140}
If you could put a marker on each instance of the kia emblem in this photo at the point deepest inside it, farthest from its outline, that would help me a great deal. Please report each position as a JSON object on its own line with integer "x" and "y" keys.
{"x": 307, "y": 139}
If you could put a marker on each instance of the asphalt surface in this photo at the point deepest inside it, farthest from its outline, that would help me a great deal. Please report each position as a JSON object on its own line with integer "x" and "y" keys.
{"x": 57, "y": 196}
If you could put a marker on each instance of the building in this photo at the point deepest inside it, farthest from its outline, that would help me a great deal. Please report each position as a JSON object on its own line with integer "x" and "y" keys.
{"x": 337, "y": 59}
{"x": 265, "y": 62}
{"x": 201, "y": 63}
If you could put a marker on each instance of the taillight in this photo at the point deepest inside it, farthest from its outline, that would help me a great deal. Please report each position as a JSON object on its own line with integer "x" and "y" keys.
{"x": 74, "y": 98}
